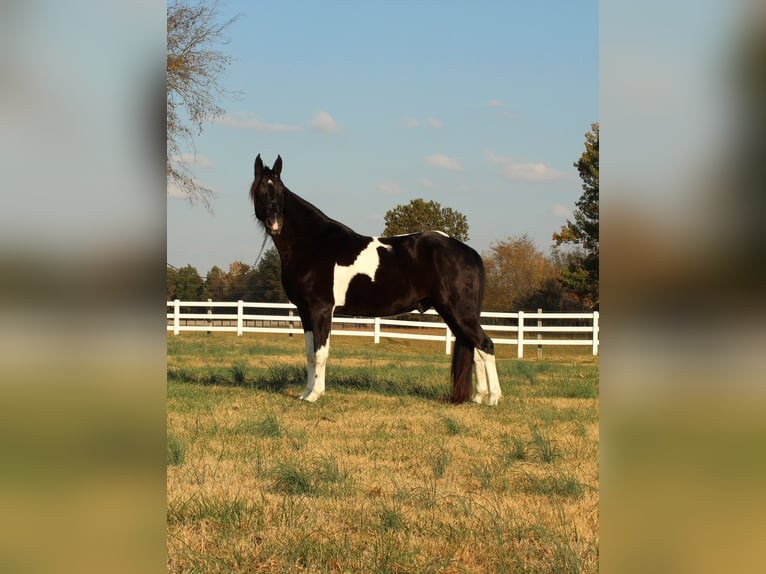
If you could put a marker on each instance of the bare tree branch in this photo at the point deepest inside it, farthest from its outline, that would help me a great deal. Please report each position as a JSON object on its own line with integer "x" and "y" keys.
{"x": 194, "y": 68}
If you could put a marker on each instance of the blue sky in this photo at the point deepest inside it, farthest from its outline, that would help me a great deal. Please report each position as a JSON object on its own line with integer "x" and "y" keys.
{"x": 481, "y": 106}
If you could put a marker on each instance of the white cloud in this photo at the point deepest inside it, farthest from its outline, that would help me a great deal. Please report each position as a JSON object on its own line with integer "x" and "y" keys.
{"x": 324, "y": 122}
{"x": 249, "y": 121}
{"x": 529, "y": 172}
{"x": 389, "y": 188}
{"x": 413, "y": 123}
{"x": 532, "y": 173}
{"x": 425, "y": 182}
{"x": 561, "y": 211}
{"x": 501, "y": 108}
{"x": 444, "y": 162}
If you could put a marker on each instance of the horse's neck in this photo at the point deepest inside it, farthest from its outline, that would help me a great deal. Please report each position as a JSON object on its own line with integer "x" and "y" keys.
{"x": 302, "y": 228}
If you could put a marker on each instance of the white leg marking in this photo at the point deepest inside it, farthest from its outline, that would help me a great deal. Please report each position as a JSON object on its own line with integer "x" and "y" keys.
{"x": 310, "y": 364}
{"x": 481, "y": 377}
{"x": 320, "y": 362}
{"x": 494, "y": 382}
{"x": 366, "y": 263}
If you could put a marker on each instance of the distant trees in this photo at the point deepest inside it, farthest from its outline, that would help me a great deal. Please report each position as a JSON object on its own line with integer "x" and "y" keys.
{"x": 266, "y": 283}
{"x": 421, "y": 215}
{"x": 240, "y": 281}
{"x": 184, "y": 283}
{"x": 215, "y": 284}
{"x": 515, "y": 270}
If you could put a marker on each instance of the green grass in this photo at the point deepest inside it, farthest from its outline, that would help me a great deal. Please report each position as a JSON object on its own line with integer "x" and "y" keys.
{"x": 382, "y": 474}
{"x": 266, "y": 427}
{"x": 291, "y": 478}
{"x": 176, "y": 450}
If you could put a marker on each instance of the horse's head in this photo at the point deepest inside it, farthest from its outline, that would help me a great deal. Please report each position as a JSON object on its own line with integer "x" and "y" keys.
{"x": 268, "y": 195}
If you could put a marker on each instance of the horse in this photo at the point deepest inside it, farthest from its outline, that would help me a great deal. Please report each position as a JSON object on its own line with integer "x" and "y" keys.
{"x": 327, "y": 267}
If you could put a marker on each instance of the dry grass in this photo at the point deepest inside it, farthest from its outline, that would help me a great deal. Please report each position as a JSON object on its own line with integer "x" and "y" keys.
{"x": 371, "y": 480}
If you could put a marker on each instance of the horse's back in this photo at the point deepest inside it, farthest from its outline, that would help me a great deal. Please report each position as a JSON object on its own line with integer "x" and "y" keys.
{"x": 442, "y": 251}
{"x": 436, "y": 259}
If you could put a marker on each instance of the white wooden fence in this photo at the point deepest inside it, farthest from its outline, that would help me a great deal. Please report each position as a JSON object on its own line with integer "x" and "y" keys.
{"x": 518, "y": 328}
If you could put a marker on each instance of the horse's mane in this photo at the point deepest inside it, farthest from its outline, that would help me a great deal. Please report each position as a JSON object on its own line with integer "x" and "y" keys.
{"x": 313, "y": 210}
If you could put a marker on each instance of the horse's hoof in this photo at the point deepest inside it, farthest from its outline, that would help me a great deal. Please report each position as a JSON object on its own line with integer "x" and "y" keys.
{"x": 478, "y": 399}
{"x": 311, "y": 397}
{"x": 493, "y": 400}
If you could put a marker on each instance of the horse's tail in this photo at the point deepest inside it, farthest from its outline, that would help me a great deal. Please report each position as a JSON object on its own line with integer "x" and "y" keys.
{"x": 462, "y": 361}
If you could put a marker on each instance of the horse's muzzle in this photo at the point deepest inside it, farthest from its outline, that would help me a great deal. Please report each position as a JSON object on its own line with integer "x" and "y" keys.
{"x": 274, "y": 228}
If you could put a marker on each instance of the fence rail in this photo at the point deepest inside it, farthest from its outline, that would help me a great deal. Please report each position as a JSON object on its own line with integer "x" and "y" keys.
{"x": 511, "y": 328}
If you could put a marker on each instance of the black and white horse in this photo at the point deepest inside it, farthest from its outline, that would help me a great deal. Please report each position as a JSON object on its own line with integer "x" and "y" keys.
{"x": 326, "y": 266}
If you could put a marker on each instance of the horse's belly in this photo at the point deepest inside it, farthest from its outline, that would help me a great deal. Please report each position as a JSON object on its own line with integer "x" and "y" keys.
{"x": 374, "y": 299}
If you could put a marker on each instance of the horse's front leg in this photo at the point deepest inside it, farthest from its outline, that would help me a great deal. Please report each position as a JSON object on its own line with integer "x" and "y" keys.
{"x": 310, "y": 364}
{"x": 317, "y": 351}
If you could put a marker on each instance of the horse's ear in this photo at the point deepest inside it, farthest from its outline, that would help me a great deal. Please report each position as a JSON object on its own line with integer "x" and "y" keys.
{"x": 277, "y": 165}
{"x": 258, "y": 166}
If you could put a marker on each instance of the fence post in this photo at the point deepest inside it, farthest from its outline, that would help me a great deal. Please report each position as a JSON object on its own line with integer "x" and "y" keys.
{"x": 447, "y": 340}
{"x": 240, "y": 316}
{"x": 209, "y": 313}
{"x": 539, "y": 334}
{"x": 520, "y": 340}
{"x": 595, "y": 333}
{"x": 376, "y": 331}
{"x": 290, "y": 324}
{"x": 176, "y": 317}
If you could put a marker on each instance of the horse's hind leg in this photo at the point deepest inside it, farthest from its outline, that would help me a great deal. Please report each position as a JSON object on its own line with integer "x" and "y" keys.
{"x": 481, "y": 377}
{"x": 490, "y": 368}
{"x": 469, "y": 328}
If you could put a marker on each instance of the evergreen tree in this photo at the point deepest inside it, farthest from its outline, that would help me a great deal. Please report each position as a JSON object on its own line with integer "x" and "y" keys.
{"x": 581, "y": 275}
{"x": 265, "y": 283}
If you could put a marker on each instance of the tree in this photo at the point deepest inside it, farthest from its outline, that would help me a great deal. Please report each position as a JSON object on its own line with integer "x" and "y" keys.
{"x": 515, "y": 270}
{"x": 420, "y": 215}
{"x": 215, "y": 284}
{"x": 236, "y": 281}
{"x": 551, "y": 296}
{"x": 189, "y": 286}
{"x": 581, "y": 274}
{"x": 194, "y": 68}
{"x": 170, "y": 282}
{"x": 265, "y": 283}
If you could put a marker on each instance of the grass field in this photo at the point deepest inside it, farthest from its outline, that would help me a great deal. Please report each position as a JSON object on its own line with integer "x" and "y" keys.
{"x": 381, "y": 474}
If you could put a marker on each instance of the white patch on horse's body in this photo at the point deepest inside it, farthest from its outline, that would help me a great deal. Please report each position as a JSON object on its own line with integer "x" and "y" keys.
{"x": 366, "y": 263}
{"x": 432, "y": 231}
{"x": 486, "y": 372}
